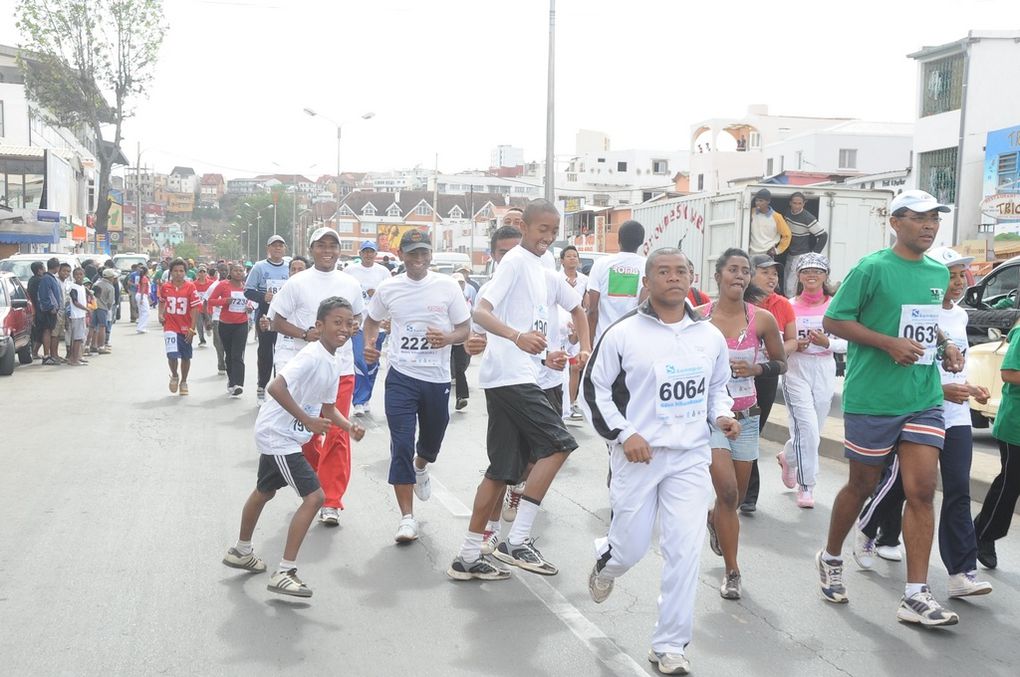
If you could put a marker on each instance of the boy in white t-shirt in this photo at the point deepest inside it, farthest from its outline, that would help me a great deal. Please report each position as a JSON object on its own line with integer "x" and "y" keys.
{"x": 303, "y": 404}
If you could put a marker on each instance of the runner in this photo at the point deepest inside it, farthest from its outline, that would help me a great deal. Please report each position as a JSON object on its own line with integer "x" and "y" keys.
{"x": 222, "y": 277}
{"x": 229, "y": 297}
{"x": 302, "y": 405}
{"x": 888, "y": 309}
{"x": 142, "y": 299}
{"x": 264, "y": 280}
{"x": 766, "y": 277}
{"x": 958, "y": 544}
{"x": 369, "y": 275}
{"x": 522, "y": 427}
{"x": 614, "y": 281}
{"x": 428, "y": 314}
{"x": 745, "y": 327}
{"x": 810, "y": 379}
{"x": 570, "y": 261}
{"x": 202, "y": 284}
{"x": 292, "y": 313}
{"x": 178, "y": 309}
{"x": 660, "y": 443}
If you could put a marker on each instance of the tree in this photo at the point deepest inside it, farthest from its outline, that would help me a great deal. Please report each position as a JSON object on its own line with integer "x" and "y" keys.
{"x": 187, "y": 250}
{"x": 79, "y": 52}
{"x": 246, "y": 211}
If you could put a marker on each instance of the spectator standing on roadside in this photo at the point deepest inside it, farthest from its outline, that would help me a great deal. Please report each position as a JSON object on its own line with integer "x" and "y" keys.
{"x": 49, "y": 306}
{"x": 105, "y": 294}
{"x": 78, "y": 312}
{"x": 770, "y": 233}
{"x": 38, "y": 270}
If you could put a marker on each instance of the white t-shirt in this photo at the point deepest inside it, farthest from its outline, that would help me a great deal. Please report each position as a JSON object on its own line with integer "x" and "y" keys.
{"x": 312, "y": 377}
{"x": 79, "y": 292}
{"x": 560, "y": 295}
{"x": 298, "y": 301}
{"x": 617, "y": 279}
{"x": 518, "y": 292}
{"x": 580, "y": 282}
{"x": 415, "y": 305}
{"x": 953, "y": 324}
{"x": 369, "y": 278}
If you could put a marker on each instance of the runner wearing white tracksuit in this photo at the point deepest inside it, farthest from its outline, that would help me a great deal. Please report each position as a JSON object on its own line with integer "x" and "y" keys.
{"x": 654, "y": 407}
{"x": 810, "y": 379}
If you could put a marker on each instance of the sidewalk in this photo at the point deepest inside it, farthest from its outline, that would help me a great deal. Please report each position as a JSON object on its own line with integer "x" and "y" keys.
{"x": 983, "y": 470}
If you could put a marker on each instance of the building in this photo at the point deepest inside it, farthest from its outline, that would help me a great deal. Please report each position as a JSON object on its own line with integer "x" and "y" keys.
{"x": 212, "y": 188}
{"x": 620, "y": 177}
{"x": 145, "y": 180}
{"x": 183, "y": 180}
{"x": 243, "y": 187}
{"x": 302, "y": 183}
{"x": 727, "y": 149}
{"x": 404, "y": 179}
{"x": 462, "y": 184}
{"x": 853, "y": 147}
{"x": 964, "y": 92}
{"x": 506, "y": 161}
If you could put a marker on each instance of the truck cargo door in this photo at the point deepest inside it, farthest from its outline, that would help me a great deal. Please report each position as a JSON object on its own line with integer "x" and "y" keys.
{"x": 857, "y": 226}
{"x": 724, "y": 228}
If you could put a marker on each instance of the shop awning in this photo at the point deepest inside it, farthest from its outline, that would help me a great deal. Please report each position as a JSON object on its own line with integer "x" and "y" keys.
{"x": 31, "y": 232}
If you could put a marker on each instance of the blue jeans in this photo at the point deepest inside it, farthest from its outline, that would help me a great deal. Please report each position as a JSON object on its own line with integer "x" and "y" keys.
{"x": 411, "y": 401}
{"x": 364, "y": 374}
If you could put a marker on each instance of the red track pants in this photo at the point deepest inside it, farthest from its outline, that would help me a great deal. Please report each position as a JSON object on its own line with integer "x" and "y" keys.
{"x": 330, "y": 458}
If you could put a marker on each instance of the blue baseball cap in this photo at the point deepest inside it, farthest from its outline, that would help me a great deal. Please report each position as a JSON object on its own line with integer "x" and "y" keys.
{"x": 369, "y": 244}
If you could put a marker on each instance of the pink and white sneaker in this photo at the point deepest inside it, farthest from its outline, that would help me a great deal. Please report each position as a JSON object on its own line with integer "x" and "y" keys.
{"x": 789, "y": 472}
{"x": 804, "y": 498}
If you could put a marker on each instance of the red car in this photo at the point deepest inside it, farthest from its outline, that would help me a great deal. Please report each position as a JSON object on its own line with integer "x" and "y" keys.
{"x": 16, "y": 314}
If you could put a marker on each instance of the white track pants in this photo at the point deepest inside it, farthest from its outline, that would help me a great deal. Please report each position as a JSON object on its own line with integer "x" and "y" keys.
{"x": 676, "y": 487}
{"x": 143, "y": 310}
{"x": 807, "y": 388}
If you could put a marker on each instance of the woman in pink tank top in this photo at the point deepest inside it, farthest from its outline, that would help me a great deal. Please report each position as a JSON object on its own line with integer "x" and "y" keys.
{"x": 743, "y": 326}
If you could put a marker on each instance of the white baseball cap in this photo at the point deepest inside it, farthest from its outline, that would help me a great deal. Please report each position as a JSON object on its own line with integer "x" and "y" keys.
{"x": 916, "y": 201}
{"x": 950, "y": 257}
{"x": 322, "y": 232}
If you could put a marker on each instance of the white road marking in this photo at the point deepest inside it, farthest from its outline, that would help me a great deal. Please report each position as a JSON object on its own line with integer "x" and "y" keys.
{"x": 449, "y": 501}
{"x": 598, "y": 643}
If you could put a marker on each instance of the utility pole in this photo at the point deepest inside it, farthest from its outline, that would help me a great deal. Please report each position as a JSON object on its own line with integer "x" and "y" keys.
{"x": 435, "y": 203}
{"x": 550, "y": 171}
{"x": 471, "y": 215}
{"x": 138, "y": 197}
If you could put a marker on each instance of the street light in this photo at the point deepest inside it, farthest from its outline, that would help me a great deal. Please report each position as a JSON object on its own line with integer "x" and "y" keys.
{"x": 258, "y": 220}
{"x": 339, "y": 126}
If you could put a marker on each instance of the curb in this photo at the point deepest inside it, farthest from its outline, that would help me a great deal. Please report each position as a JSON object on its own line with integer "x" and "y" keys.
{"x": 983, "y": 470}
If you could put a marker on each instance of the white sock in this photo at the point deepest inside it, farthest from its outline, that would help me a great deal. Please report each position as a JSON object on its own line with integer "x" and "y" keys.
{"x": 286, "y": 565}
{"x": 521, "y": 528}
{"x": 471, "y": 549}
{"x": 831, "y": 559}
{"x": 243, "y": 547}
{"x": 912, "y": 589}
{"x": 493, "y": 526}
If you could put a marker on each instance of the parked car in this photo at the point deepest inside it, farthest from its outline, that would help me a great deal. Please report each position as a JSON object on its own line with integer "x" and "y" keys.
{"x": 992, "y": 303}
{"x": 16, "y": 314}
{"x": 21, "y": 264}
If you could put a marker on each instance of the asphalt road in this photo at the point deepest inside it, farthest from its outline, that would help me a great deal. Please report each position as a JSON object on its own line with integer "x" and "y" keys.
{"x": 119, "y": 500}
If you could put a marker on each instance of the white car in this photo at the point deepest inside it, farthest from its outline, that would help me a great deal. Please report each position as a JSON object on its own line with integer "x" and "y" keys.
{"x": 21, "y": 264}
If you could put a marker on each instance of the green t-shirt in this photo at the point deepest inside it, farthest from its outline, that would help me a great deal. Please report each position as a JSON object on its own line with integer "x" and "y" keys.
{"x": 885, "y": 293}
{"x": 1007, "y": 421}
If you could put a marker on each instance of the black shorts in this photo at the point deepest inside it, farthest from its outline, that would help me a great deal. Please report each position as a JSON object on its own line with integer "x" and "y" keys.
{"x": 555, "y": 397}
{"x": 276, "y": 472}
{"x": 46, "y": 320}
{"x": 523, "y": 428}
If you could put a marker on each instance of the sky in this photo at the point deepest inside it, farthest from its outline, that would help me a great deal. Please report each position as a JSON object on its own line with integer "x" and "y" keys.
{"x": 455, "y": 78}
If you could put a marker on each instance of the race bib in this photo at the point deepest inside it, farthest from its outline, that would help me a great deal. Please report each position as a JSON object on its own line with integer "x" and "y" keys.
{"x": 921, "y": 324}
{"x": 273, "y": 286}
{"x": 806, "y": 325}
{"x": 742, "y": 387}
{"x": 313, "y": 411}
{"x": 414, "y": 347}
{"x": 170, "y": 341}
{"x": 540, "y": 323}
{"x": 681, "y": 392}
{"x": 238, "y": 304}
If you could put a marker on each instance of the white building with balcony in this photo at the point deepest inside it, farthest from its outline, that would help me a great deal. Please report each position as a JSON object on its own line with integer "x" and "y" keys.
{"x": 965, "y": 89}
{"x": 857, "y": 146}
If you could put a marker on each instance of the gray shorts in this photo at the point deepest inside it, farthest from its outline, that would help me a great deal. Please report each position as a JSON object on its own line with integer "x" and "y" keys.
{"x": 869, "y": 439}
{"x": 276, "y": 472}
{"x": 77, "y": 326}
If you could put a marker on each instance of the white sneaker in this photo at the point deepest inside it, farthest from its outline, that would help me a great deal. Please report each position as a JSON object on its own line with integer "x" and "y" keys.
{"x": 889, "y": 552}
{"x": 260, "y": 396}
{"x": 670, "y": 663}
{"x": 925, "y": 610}
{"x": 330, "y": 517}
{"x": 490, "y": 539}
{"x": 864, "y": 550}
{"x": 359, "y": 410}
{"x": 967, "y": 585}
{"x": 407, "y": 531}
{"x": 422, "y": 484}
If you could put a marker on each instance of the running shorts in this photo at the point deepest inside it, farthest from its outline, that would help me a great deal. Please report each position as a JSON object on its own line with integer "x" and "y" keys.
{"x": 869, "y": 439}
{"x": 524, "y": 427}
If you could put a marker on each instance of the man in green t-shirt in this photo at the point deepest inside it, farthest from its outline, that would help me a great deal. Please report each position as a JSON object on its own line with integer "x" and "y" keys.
{"x": 887, "y": 308}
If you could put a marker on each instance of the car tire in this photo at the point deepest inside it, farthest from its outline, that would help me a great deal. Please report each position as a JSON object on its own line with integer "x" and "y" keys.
{"x": 7, "y": 363}
{"x": 25, "y": 355}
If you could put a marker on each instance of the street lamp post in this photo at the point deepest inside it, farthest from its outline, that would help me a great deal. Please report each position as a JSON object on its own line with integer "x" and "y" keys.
{"x": 258, "y": 220}
{"x": 339, "y": 128}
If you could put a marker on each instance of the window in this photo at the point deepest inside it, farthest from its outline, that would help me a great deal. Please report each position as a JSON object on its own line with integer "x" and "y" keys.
{"x": 1008, "y": 176}
{"x": 660, "y": 166}
{"x": 346, "y": 211}
{"x": 936, "y": 174}
{"x": 754, "y": 139}
{"x": 572, "y": 178}
{"x": 21, "y": 183}
{"x": 1001, "y": 282}
{"x": 345, "y": 227}
{"x": 394, "y": 210}
{"x": 848, "y": 158}
{"x": 701, "y": 182}
{"x": 368, "y": 210}
{"x": 942, "y": 85}
{"x": 768, "y": 167}
{"x": 422, "y": 209}
{"x": 601, "y": 159}
{"x": 346, "y": 246}
{"x": 600, "y": 200}
{"x": 621, "y": 166}
{"x": 456, "y": 212}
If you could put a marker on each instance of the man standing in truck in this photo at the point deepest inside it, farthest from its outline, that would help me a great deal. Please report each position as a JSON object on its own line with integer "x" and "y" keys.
{"x": 769, "y": 232}
{"x": 806, "y": 236}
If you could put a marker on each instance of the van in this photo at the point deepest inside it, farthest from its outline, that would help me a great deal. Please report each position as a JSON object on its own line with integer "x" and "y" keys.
{"x": 449, "y": 262}
{"x": 21, "y": 264}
